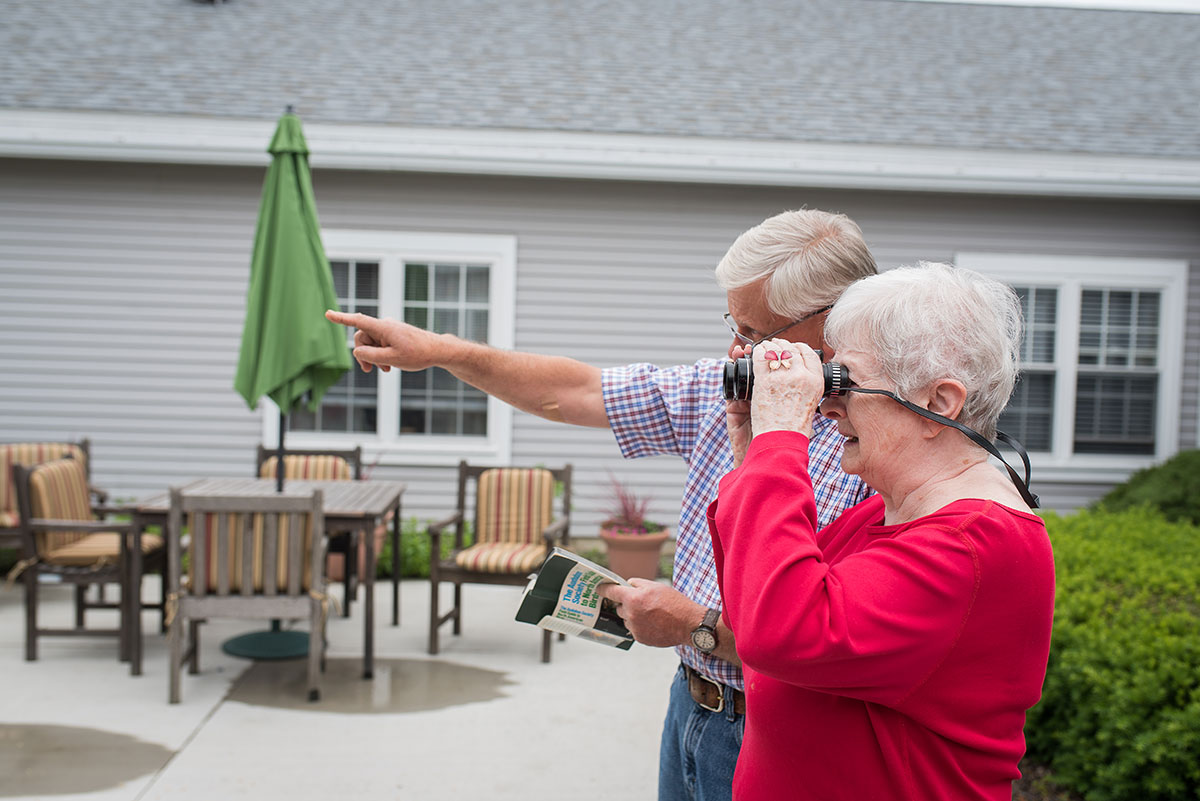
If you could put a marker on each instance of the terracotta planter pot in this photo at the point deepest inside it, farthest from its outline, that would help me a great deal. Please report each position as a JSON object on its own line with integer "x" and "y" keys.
{"x": 335, "y": 562}
{"x": 631, "y": 555}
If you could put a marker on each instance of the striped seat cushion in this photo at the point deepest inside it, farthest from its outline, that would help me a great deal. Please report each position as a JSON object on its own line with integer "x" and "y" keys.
{"x": 319, "y": 467}
{"x": 99, "y": 548}
{"x": 513, "y": 507}
{"x": 28, "y": 454}
{"x": 58, "y": 491}
{"x": 235, "y": 558}
{"x": 502, "y": 557}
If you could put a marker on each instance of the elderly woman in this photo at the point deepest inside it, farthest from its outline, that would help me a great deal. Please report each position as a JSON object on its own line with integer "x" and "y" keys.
{"x": 892, "y": 654}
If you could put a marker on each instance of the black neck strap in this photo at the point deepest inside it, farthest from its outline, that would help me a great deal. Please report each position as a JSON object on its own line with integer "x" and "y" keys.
{"x": 974, "y": 436}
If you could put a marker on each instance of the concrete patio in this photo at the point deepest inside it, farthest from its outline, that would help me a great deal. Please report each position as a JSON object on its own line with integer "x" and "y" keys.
{"x": 483, "y": 719}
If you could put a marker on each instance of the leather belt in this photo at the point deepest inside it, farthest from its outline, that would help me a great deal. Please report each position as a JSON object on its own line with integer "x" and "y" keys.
{"x": 711, "y": 695}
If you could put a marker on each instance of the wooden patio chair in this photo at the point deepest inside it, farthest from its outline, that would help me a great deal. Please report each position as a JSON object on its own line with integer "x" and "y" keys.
{"x": 27, "y": 454}
{"x": 322, "y": 465}
{"x": 249, "y": 558}
{"x": 64, "y": 535}
{"x": 515, "y": 527}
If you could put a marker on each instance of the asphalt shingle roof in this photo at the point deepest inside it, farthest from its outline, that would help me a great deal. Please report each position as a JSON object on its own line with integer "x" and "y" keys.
{"x": 881, "y": 72}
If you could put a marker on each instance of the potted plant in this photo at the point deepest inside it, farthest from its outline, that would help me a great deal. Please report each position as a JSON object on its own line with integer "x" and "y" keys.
{"x": 634, "y": 544}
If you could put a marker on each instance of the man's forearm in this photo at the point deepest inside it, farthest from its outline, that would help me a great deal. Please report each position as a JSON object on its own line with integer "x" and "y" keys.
{"x": 554, "y": 387}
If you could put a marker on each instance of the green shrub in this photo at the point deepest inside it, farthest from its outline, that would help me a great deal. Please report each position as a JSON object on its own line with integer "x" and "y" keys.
{"x": 1120, "y": 710}
{"x": 1172, "y": 487}
{"x": 414, "y": 547}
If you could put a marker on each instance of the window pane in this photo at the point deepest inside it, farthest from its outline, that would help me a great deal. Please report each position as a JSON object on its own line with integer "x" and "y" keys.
{"x": 1040, "y": 308}
{"x": 1148, "y": 309}
{"x": 477, "y": 284}
{"x": 1030, "y": 413}
{"x": 477, "y": 325}
{"x": 1115, "y": 413}
{"x": 445, "y": 321}
{"x": 443, "y": 422}
{"x": 416, "y": 282}
{"x": 412, "y": 420}
{"x": 416, "y": 316}
{"x": 367, "y": 281}
{"x": 341, "y": 278}
{"x": 415, "y": 381}
{"x": 445, "y": 282}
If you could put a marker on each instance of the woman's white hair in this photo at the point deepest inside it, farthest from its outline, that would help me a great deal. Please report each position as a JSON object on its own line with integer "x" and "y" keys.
{"x": 935, "y": 321}
{"x": 808, "y": 256}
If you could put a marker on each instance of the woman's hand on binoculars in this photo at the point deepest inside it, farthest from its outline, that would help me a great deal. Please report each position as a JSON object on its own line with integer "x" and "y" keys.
{"x": 788, "y": 385}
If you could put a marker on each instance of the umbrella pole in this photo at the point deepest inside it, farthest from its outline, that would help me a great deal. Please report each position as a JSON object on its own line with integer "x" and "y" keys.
{"x": 279, "y": 453}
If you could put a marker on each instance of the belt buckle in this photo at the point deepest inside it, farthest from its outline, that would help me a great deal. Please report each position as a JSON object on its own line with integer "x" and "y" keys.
{"x": 720, "y": 694}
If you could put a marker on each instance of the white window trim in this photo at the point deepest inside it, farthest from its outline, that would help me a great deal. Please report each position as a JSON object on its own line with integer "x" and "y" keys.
{"x": 391, "y": 249}
{"x": 1070, "y": 274}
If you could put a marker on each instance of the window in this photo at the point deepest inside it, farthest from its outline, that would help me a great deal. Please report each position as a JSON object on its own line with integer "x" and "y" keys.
{"x": 1100, "y": 359}
{"x": 459, "y": 284}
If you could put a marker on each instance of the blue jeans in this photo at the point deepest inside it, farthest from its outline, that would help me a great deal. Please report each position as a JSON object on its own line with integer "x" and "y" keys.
{"x": 699, "y": 748}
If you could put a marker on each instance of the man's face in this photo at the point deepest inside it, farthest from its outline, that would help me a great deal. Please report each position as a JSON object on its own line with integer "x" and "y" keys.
{"x": 748, "y": 308}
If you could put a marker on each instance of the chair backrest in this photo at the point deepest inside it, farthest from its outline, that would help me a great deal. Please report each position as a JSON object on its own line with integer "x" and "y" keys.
{"x": 28, "y": 454}
{"x": 248, "y": 546}
{"x": 55, "y": 490}
{"x": 315, "y": 465}
{"x": 514, "y": 504}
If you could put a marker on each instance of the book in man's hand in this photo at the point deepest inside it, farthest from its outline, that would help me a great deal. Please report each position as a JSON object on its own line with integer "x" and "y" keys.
{"x": 563, "y": 596}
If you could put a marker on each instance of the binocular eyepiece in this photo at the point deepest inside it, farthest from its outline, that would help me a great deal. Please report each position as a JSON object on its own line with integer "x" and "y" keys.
{"x": 739, "y": 378}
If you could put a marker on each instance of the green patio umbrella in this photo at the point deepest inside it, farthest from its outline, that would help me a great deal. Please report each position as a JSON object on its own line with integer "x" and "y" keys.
{"x": 289, "y": 350}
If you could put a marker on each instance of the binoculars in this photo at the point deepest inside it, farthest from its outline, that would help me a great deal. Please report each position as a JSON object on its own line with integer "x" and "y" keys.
{"x": 739, "y": 378}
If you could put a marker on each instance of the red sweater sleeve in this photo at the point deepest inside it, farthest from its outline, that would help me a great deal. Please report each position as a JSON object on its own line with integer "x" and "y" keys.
{"x": 873, "y": 625}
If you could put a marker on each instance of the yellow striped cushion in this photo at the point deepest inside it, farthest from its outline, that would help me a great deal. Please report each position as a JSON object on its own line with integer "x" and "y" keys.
{"x": 102, "y": 547}
{"x": 237, "y": 525}
{"x": 27, "y": 454}
{"x": 58, "y": 491}
{"x": 514, "y": 505}
{"x": 503, "y": 557}
{"x": 322, "y": 467}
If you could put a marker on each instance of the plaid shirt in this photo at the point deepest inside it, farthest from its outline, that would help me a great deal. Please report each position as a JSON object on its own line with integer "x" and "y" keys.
{"x": 681, "y": 411}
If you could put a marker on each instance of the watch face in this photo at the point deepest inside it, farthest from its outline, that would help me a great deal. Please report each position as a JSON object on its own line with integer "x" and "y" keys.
{"x": 704, "y": 640}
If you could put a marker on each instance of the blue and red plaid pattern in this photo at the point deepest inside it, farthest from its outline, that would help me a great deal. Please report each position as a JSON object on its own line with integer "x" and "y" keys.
{"x": 680, "y": 411}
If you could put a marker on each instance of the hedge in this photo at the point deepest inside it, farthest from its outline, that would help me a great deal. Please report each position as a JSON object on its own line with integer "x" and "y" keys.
{"x": 1120, "y": 710}
{"x": 1172, "y": 487}
{"x": 414, "y": 546}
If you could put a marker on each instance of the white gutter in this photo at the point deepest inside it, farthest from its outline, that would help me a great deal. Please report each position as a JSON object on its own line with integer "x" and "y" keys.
{"x": 217, "y": 141}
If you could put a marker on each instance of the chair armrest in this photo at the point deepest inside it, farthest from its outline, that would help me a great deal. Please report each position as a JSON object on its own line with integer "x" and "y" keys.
{"x": 38, "y": 524}
{"x": 558, "y": 530}
{"x": 100, "y": 495}
{"x": 435, "y": 534}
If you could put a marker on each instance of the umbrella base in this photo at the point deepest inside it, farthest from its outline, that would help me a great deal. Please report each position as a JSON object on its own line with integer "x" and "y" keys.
{"x": 268, "y": 645}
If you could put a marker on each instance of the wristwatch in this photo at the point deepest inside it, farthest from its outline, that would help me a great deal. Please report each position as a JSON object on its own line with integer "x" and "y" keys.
{"x": 704, "y": 636}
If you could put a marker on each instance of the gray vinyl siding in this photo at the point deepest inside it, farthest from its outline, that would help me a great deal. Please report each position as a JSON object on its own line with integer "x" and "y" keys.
{"x": 122, "y": 291}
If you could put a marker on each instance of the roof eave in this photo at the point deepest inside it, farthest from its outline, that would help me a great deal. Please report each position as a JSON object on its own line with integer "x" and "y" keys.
{"x": 218, "y": 141}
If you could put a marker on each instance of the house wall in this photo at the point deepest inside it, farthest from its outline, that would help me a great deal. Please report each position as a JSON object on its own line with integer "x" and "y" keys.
{"x": 122, "y": 287}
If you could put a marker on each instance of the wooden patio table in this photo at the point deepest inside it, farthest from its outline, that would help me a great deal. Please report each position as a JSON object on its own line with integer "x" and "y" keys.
{"x": 350, "y": 506}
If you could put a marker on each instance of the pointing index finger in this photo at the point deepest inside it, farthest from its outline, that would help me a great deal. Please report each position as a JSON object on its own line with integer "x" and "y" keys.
{"x": 357, "y": 320}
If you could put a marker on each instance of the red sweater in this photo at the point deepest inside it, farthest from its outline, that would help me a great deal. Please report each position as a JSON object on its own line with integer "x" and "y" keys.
{"x": 881, "y": 661}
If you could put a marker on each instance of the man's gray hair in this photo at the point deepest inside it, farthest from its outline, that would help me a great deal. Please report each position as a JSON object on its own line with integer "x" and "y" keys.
{"x": 935, "y": 321}
{"x": 809, "y": 257}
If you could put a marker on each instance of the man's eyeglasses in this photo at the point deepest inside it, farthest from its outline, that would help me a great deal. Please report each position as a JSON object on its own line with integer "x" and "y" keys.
{"x": 733, "y": 326}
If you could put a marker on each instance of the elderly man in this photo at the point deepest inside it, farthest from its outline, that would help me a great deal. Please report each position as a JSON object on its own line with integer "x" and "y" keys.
{"x": 780, "y": 279}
